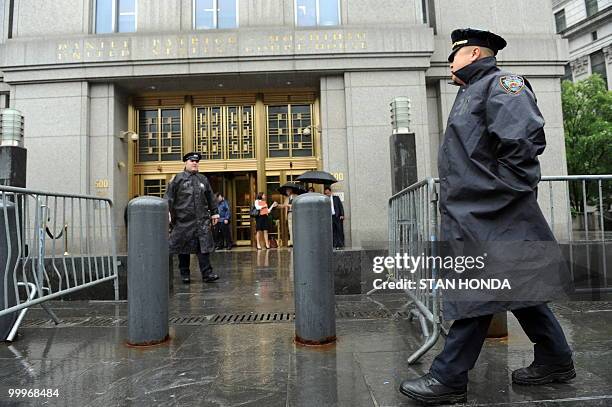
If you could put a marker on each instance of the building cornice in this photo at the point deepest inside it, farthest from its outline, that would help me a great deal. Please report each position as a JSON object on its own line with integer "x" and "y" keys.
{"x": 587, "y": 24}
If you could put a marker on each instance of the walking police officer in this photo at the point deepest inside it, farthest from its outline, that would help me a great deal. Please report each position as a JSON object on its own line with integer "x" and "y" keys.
{"x": 193, "y": 213}
{"x": 489, "y": 172}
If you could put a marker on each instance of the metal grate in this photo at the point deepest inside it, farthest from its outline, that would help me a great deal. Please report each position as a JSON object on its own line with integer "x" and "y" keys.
{"x": 214, "y": 319}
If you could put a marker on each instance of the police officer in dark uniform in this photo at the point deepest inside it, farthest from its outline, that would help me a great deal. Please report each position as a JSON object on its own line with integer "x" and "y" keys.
{"x": 489, "y": 172}
{"x": 193, "y": 213}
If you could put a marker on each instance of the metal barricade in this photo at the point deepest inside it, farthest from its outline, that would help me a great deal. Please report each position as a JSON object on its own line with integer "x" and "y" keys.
{"x": 414, "y": 226}
{"x": 55, "y": 244}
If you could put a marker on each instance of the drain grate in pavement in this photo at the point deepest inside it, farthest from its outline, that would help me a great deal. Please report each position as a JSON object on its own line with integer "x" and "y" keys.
{"x": 249, "y": 318}
{"x": 214, "y": 319}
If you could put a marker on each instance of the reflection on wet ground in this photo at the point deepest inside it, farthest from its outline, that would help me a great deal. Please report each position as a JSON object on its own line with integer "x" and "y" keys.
{"x": 259, "y": 365}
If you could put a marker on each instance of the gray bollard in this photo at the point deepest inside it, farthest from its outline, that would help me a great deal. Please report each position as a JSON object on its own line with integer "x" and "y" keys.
{"x": 148, "y": 289}
{"x": 313, "y": 277}
{"x": 8, "y": 258}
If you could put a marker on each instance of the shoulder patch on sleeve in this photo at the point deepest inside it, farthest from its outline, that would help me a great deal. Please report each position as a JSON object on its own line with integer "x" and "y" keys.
{"x": 512, "y": 84}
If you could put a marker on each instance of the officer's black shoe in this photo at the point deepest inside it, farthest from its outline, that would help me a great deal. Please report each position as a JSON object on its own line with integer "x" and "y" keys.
{"x": 186, "y": 279}
{"x": 543, "y": 374}
{"x": 430, "y": 391}
{"x": 209, "y": 278}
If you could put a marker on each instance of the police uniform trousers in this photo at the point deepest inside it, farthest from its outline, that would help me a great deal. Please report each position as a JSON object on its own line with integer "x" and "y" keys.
{"x": 203, "y": 260}
{"x": 466, "y": 337}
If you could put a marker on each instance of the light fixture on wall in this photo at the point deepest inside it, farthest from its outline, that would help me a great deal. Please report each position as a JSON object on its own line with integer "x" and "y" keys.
{"x": 307, "y": 131}
{"x": 123, "y": 135}
{"x": 11, "y": 127}
{"x": 121, "y": 165}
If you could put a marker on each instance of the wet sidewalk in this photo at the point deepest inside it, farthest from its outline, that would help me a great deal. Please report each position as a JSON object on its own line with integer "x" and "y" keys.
{"x": 220, "y": 356}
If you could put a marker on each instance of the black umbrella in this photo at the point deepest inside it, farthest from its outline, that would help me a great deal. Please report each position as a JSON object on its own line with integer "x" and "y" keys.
{"x": 317, "y": 177}
{"x": 297, "y": 188}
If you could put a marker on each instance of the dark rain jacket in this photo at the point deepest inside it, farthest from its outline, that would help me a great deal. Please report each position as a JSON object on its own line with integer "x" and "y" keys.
{"x": 489, "y": 169}
{"x": 191, "y": 204}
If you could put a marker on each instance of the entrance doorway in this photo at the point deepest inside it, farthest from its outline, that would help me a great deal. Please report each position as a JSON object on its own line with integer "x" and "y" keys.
{"x": 238, "y": 188}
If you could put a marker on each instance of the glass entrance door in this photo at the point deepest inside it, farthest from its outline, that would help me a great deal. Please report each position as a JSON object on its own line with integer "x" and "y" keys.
{"x": 239, "y": 189}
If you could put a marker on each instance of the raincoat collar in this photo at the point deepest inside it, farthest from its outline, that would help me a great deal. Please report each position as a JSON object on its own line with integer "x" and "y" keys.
{"x": 476, "y": 70}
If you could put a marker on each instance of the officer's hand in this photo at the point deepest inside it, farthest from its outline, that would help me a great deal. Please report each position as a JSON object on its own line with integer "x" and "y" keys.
{"x": 214, "y": 221}
{"x": 225, "y": 221}
{"x": 341, "y": 217}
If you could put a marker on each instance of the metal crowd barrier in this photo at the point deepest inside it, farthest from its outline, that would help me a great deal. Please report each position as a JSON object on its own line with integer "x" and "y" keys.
{"x": 52, "y": 245}
{"x": 414, "y": 224}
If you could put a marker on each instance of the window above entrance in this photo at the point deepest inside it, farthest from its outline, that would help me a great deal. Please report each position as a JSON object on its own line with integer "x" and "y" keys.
{"x": 215, "y": 14}
{"x": 115, "y": 16}
{"x": 290, "y": 131}
{"x": 309, "y": 13}
{"x": 159, "y": 135}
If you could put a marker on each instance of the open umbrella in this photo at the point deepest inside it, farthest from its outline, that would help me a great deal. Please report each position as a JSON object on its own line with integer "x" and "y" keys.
{"x": 317, "y": 177}
{"x": 297, "y": 188}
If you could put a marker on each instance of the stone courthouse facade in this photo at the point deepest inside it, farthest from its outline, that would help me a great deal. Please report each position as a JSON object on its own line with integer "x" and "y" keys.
{"x": 115, "y": 91}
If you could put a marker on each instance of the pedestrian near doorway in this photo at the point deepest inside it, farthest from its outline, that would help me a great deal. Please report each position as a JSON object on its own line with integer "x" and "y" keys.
{"x": 489, "y": 171}
{"x": 262, "y": 221}
{"x": 193, "y": 213}
{"x": 224, "y": 239}
{"x": 290, "y": 195}
{"x": 337, "y": 218}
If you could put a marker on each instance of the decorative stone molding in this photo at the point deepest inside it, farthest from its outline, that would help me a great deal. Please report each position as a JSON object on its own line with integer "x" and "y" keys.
{"x": 580, "y": 66}
{"x": 608, "y": 53}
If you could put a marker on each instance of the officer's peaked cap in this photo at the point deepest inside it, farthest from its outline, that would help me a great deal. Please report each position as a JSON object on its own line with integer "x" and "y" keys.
{"x": 192, "y": 156}
{"x": 464, "y": 37}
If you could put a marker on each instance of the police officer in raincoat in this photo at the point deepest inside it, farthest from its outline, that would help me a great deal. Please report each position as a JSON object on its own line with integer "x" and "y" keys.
{"x": 193, "y": 213}
{"x": 489, "y": 172}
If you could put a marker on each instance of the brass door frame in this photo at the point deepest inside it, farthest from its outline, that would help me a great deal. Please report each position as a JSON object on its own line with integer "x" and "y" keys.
{"x": 260, "y": 167}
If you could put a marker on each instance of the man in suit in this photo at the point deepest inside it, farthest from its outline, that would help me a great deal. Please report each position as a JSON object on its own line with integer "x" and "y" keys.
{"x": 337, "y": 218}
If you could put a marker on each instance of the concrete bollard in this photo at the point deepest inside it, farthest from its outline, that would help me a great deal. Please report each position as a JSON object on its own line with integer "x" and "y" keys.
{"x": 9, "y": 248}
{"x": 315, "y": 315}
{"x": 148, "y": 289}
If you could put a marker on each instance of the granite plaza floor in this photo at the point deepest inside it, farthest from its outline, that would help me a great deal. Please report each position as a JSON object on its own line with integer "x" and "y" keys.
{"x": 208, "y": 363}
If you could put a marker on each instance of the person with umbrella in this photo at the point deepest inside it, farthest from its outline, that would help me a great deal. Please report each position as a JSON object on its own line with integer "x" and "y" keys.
{"x": 290, "y": 190}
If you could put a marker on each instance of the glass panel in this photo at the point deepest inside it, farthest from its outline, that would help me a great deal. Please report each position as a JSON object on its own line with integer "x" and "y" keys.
{"x": 154, "y": 187}
{"x": 306, "y": 11}
{"x": 204, "y": 14}
{"x": 171, "y": 135}
{"x": 209, "y": 136}
{"x": 243, "y": 198}
{"x": 272, "y": 184}
{"x": 328, "y": 12}
{"x": 104, "y": 16}
{"x": 127, "y": 16}
{"x": 148, "y": 129}
{"x": 227, "y": 14}
{"x": 591, "y": 7}
{"x": 302, "y": 131}
{"x": 278, "y": 131}
{"x": 127, "y": 23}
{"x": 560, "y": 20}
{"x": 240, "y": 132}
{"x": 598, "y": 65}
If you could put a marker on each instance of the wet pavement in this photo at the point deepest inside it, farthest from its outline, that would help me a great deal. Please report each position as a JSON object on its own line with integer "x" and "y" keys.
{"x": 257, "y": 364}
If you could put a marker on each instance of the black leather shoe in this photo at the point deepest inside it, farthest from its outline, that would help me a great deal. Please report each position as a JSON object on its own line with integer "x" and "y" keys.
{"x": 543, "y": 374}
{"x": 186, "y": 280}
{"x": 209, "y": 278}
{"x": 430, "y": 391}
